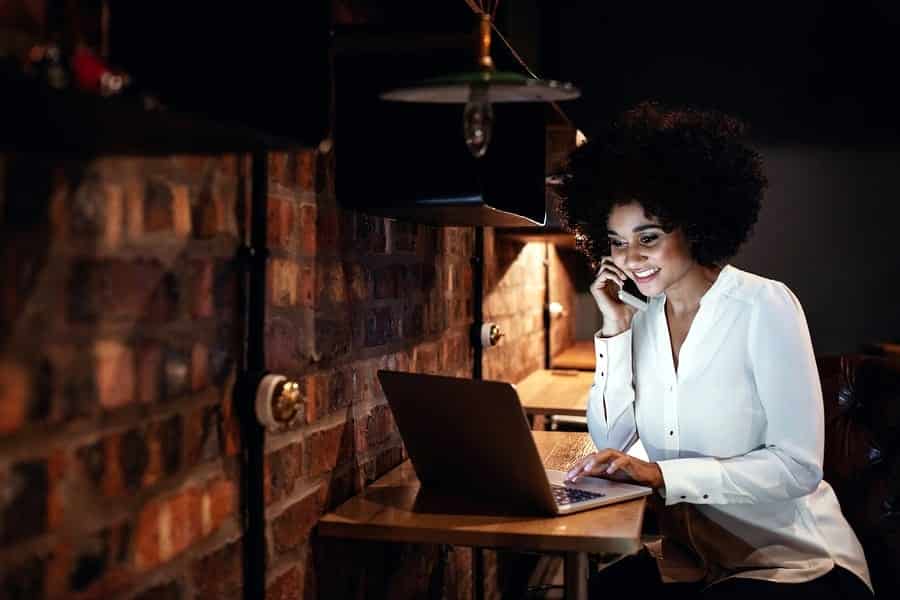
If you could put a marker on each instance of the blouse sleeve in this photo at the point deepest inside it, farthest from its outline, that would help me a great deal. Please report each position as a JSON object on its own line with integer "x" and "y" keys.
{"x": 611, "y": 424}
{"x": 789, "y": 463}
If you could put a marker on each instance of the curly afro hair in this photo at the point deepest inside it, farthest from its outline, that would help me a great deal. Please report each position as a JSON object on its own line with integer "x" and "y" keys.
{"x": 685, "y": 167}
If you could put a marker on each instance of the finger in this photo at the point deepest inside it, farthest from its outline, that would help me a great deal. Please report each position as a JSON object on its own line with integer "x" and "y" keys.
{"x": 577, "y": 468}
{"x": 608, "y": 275}
{"x": 616, "y": 465}
{"x": 608, "y": 263}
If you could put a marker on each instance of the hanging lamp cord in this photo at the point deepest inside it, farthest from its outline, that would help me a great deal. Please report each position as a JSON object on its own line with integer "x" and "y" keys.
{"x": 489, "y": 7}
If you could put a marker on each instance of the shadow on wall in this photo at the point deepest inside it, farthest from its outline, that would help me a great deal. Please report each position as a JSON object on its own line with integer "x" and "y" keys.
{"x": 828, "y": 231}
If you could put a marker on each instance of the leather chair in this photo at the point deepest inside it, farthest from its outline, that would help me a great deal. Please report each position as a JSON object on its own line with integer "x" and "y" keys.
{"x": 862, "y": 455}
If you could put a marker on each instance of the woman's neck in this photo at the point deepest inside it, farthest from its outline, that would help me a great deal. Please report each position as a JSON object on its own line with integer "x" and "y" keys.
{"x": 683, "y": 296}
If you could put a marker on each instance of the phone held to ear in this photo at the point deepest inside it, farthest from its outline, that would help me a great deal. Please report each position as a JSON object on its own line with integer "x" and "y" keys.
{"x": 632, "y": 298}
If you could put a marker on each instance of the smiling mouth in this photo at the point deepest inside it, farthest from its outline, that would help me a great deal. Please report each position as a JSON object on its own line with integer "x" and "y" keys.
{"x": 645, "y": 274}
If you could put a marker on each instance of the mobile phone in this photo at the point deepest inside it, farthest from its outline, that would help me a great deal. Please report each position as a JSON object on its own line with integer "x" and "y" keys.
{"x": 630, "y": 295}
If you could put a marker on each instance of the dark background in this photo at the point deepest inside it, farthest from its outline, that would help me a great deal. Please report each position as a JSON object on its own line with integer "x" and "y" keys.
{"x": 815, "y": 82}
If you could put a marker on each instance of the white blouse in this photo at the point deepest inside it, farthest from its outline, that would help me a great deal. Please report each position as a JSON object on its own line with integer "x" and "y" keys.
{"x": 738, "y": 431}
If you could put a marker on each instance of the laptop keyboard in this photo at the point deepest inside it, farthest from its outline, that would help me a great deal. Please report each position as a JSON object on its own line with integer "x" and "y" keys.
{"x": 566, "y": 495}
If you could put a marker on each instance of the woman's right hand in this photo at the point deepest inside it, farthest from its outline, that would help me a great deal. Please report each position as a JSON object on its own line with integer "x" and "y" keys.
{"x": 605, "y": 288}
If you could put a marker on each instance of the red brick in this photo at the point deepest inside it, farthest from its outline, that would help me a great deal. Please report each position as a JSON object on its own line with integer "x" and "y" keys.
{"x": 147, "y": 536}
{"x": 291, "y": 528}
{"x": 134, "y": 208}
{"x": 307, "y": 229}
{"x": 214, "y": 213}
{"x": 306, "y": 283}
{"x": 280, "y": 221}
{"x": 14, "y": 391}
{"x": 57, "y": 465}
{"x": 305, "y": 174}
{"x": 167, "y": 208}
{"x": 282, "y": 468}
{"x": 186, "y": 522}
{"x": 219, "y": 503}
{"x": 149, "y": 372}
{"x": 359, "y": 282}
{"x": 199, "y": 367}
{"x": 330, "y": 284}
{"x": 114, "y": 374}
{"x": 167, "y": 526}
{"x": 287, "y": 586}
{"x": 278, "y": 168}
{"x": 380, "y": 425}
{"x": 231, "y": 430}
{"x": 328, "y": 238}
{"x": 203, "y": 277}
{"x": 288, "y": 343}
{"x": 282, "y": 278}
{"x": 219, "y": 574}
{"x": 326, "y": 393}
{"x": 325, "y": 448}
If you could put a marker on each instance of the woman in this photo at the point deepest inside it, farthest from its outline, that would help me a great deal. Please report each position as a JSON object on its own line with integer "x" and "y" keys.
{"x": 717, "y": 377}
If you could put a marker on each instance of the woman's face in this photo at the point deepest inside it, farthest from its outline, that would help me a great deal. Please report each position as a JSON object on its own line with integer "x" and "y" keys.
{"x": 653, "y": 259}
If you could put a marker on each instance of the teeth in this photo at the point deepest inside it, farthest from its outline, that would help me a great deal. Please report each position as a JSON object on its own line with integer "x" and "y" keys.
{"x": 647, "y": 273}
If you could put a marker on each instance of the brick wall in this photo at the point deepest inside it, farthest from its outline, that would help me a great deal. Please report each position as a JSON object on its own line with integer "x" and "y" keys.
{"x": 350, "y": 294}
{"x": 119, "y": 332}
{"x": 514, "y": 287}
{"x": 120, "y": 329}
{"x": 563, "y": 263}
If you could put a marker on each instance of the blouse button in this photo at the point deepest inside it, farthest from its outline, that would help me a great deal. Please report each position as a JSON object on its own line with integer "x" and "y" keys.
{"x": 705, "y": 496}
{"x": 671, "y": 432}
{"x": 683, "y": 497}
{"x": 601, "y": 373}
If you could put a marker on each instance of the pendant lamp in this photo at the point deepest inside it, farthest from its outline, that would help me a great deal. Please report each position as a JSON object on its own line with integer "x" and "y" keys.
{"x": 480, "y": 88}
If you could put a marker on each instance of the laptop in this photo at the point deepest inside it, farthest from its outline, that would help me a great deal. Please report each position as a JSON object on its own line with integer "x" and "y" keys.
{"x": 471, "y": 438}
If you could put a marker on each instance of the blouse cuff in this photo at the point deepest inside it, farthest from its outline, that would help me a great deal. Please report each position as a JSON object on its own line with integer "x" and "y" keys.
{"x": 613, "y": 372}
{"x": 694, "y": 480}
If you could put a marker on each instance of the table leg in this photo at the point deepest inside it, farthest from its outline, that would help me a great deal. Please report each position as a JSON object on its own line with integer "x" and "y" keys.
{"x": 576, "y": 574}
{"x": 477, "y": 573}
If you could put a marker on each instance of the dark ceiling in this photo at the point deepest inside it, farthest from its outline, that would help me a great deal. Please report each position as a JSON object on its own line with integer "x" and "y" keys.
{"x": 797, "y": 71}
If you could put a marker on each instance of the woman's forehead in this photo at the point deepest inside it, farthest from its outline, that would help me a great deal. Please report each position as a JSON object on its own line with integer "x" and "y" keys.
{"x": 626, "y": 218}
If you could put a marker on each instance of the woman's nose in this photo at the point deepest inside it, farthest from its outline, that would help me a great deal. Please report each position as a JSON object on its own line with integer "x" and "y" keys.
{"x": 633, "y": 257}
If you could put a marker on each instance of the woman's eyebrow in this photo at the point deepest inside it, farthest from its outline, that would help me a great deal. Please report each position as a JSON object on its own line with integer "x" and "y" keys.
{"x": 637, "y": 229}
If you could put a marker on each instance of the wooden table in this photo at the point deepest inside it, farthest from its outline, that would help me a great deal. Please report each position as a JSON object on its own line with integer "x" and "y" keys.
{"x": 386, "y": 511}
{"x": 579, "y": 355}
{"x": 555, "y": 392}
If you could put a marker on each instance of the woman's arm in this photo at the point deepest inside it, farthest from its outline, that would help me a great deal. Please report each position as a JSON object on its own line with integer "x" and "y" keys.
{"x": 610, "y": 410}
{"x": 789, "y": 463}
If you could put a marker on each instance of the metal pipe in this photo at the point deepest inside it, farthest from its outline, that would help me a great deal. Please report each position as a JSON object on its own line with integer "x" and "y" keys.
{"x": 254, "y": 363}
{"x": 477, "y": 302}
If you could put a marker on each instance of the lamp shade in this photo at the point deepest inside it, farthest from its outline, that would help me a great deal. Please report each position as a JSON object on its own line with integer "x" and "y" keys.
{"x": 498, "y": 86}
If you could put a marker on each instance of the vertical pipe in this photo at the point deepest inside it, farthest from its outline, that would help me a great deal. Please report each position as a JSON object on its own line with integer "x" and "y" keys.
{"x": 254, "y": 541}
{"x": 478, "y": 355}
{"x": 477, "y": 302}
{"x": 547, "y": 322}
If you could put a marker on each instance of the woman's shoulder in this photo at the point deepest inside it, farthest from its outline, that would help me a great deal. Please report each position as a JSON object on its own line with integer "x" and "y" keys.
{"x": 761, "y": 293}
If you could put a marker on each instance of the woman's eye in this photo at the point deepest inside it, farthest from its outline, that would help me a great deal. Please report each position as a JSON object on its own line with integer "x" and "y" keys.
{"x": 649, "y": 239}
{"x": 616, "y": 243}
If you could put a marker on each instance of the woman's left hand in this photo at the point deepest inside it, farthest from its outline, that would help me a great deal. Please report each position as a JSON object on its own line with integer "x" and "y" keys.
{"x": 616, "y": 465}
